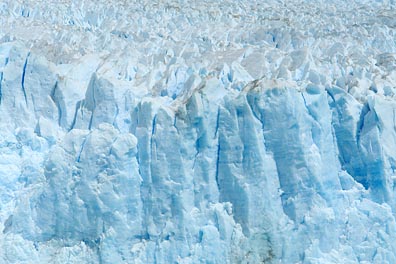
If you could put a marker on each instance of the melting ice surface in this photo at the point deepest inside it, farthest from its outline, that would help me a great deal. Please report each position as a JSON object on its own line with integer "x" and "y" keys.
{"x": 197, "y": 132}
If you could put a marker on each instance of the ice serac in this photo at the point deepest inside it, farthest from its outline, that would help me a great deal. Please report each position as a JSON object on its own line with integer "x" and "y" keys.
{"x": 274, "y": 172}
{"x": 227, "y": 132}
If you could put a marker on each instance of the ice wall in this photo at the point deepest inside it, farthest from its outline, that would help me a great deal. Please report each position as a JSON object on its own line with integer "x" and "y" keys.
{"x": 278, "y": 148}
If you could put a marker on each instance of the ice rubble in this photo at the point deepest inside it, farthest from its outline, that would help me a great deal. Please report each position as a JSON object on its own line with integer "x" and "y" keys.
{"x": 230, "y": 132}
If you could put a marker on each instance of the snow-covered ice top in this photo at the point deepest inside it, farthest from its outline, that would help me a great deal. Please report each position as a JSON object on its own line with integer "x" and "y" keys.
{"x": 157, "y": 45}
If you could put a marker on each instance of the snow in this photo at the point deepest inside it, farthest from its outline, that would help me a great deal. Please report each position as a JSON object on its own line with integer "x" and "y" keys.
{"x": 197, "y": 132}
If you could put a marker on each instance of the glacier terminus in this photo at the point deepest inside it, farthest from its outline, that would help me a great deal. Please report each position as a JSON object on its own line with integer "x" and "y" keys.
{"x": 197, "y": 132}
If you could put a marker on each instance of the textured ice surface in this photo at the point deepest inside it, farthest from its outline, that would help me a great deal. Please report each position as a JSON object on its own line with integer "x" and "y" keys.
{"x": 197, "y": 132}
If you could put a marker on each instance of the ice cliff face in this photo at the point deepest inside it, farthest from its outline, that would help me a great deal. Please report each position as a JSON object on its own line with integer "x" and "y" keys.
{"x": 197, "y": 133}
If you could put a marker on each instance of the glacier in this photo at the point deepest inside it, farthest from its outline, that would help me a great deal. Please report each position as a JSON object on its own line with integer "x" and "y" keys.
{"x": 197, "y": 132}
